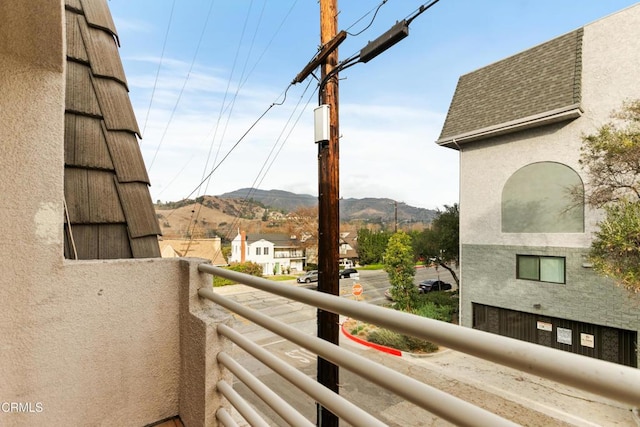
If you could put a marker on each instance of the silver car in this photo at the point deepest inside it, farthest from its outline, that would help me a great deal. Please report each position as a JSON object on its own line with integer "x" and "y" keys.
{"x": 308, "y": 277}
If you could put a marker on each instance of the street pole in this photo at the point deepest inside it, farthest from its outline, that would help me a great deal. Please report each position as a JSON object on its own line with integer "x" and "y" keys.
{"x": 395, "y": 223}
{"x": 328, "y": 208}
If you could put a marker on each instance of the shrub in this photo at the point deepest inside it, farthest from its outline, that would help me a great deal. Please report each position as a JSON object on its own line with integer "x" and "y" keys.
{"x": 401, "y": 342}
{"x": 433, "y": 311}
{"x": 247, "y": 267}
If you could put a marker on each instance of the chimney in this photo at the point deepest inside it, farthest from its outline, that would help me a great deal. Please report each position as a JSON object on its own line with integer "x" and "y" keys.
{"x": 243, "y": 246}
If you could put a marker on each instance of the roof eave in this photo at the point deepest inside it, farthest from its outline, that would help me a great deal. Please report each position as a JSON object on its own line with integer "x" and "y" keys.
{"x": 570, "y": 112}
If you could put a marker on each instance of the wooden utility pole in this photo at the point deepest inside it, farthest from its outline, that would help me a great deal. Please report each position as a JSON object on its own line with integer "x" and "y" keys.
{"x": 328, "y": 199}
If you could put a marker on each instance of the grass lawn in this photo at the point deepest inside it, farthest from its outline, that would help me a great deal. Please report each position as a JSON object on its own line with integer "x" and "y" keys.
{"x": 371, "y": 267}
{"x": 280, "y": 277}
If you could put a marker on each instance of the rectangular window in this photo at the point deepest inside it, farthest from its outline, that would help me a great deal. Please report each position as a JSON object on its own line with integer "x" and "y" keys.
{"x": 258, "y": 251}
{"x": 541, "y": 268}
{"x": 266, "y": 250}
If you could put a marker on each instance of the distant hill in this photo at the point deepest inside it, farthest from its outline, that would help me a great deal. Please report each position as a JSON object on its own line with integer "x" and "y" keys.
{"x": 264, "y": 211}
{"x": 368, "y": 209}
{"x": 275, "y": 199}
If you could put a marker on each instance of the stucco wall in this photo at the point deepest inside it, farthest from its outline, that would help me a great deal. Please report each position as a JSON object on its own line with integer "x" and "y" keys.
{"x": 82, "y": 342}
{"x": 94, "y": 342}
{"x": 610, "y": 55}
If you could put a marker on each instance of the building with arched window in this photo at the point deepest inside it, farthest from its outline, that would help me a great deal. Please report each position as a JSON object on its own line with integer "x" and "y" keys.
{"x": 524, "y": 234}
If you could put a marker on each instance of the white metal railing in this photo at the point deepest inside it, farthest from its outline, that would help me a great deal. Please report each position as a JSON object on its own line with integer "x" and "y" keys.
{"x": 613, "y": 381}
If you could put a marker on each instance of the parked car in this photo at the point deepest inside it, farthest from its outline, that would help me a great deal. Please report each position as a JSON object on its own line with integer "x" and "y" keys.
{"x": 433, "y": 285}
{"x": 308, "y": 277}
{"x": 425, "y": 286}
{"x": 347, "y": 273}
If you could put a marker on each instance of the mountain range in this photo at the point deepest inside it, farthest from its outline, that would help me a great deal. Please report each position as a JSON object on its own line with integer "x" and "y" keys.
{"x": 367, "y": 209}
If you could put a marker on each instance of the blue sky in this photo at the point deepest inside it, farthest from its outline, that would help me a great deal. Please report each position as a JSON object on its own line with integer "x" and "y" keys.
{"x": 225, "y": 62}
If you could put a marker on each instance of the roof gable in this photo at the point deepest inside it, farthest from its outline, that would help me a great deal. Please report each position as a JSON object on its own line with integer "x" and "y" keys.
{"x": 539, "y": 82}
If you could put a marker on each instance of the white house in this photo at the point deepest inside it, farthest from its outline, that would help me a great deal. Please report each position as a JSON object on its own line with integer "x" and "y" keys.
{"x": 277, "y": 253}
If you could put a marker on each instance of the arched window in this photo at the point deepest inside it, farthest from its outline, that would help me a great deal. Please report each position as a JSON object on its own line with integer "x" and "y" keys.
{"x": 537, "y": 199}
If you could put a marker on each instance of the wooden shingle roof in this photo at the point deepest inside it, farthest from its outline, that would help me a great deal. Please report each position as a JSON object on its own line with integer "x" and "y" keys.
{"x": 109, "y": 212}
{"x": 539, "y": 85}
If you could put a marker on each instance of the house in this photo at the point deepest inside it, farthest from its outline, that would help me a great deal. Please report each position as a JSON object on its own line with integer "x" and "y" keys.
{"x": 347, "y": 248}
{"x": 210, "y": 249}
{"x": 517, "y": 124}
{"x": 277, "y": 253}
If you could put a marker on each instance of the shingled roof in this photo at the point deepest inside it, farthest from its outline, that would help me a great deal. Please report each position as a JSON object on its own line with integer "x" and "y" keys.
{"x": 538, "y": 86}
{"x": 109, "y": 212}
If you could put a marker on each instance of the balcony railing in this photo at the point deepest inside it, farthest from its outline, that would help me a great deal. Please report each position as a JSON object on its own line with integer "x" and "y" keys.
{"x": 606, "y": 379}
{"x": 288, "y": 255}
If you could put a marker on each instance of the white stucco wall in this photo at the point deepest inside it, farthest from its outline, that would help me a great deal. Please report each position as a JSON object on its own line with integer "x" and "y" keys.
{"x": 611, "y": 54}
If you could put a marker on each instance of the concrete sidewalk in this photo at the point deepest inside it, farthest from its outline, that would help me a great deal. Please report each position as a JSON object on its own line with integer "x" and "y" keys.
{"x": 564, "y": 403}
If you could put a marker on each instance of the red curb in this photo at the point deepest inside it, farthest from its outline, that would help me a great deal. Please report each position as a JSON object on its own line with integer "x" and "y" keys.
{"x": 378, "y": 347}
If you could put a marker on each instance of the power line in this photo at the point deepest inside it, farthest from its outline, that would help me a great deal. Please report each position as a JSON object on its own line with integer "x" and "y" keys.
{"x": 155, "y": 82}
{"x": 377, "y": 9}
{"x": 232, "y": 148}
{"x": 195, "y": 55}
{"x": 233, "y": 68}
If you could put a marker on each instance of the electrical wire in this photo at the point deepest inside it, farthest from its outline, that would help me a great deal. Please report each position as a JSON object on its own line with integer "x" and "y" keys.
{"x": 258, "y": 181}
{"x": 175, "y": 107}
{"x": 227, "y": 90}
{"x": 155, "y": 82}
{"x": 231, "y": 150}
{"x": 377, "y": 9}
{"x": 423, "y": 8}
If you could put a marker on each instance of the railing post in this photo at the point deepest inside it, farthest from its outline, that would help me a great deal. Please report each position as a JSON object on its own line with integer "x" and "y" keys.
{"x": 199, "y": 347}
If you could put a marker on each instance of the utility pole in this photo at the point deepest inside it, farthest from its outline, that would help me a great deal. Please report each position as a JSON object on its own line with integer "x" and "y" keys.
{"x": 395, "y": 222}
{"x": 328, "y": 171}
{"x": 328, "y": 209}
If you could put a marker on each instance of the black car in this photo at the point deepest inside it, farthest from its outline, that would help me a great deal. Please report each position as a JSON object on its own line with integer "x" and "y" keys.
{"x": 347, "y": 272}
{"x": 431, "y": 285}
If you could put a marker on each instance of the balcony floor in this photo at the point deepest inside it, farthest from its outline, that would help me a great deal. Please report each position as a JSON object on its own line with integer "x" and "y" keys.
{"x": 173, "y": 422}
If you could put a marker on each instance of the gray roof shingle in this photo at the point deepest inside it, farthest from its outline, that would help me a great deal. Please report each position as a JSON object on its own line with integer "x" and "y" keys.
{"x": 542, "y": 79}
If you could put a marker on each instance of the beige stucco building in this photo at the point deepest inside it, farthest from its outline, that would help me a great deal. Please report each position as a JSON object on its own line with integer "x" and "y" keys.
{"x": 94, "y": 342}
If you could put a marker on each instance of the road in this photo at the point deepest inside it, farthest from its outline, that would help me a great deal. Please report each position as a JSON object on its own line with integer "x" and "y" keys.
{"x": 525, "y": 399}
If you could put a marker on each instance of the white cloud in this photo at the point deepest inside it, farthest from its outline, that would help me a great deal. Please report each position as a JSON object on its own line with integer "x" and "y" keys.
{"x": 386, "y": 150}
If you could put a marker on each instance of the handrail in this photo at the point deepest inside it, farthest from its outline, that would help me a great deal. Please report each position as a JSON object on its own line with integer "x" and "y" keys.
{"x": 327, "y": 398}
{"x": 241, "y": 405}
{"x": 607, "y": 379}
{"x": 430, "y": 398}
{"x": 275, "y": 402}
{"x": 225, "y": 418}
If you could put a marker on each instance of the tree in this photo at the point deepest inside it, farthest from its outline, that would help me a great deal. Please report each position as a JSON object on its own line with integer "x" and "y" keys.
{"x": 615, "y": 251}
{"x": 400, "y": 266}
{"x": 440, "y": 244}
{"x": 303, "y": 223}
{"x": 611, "y": 159}
{"x": 371, "y": 245}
